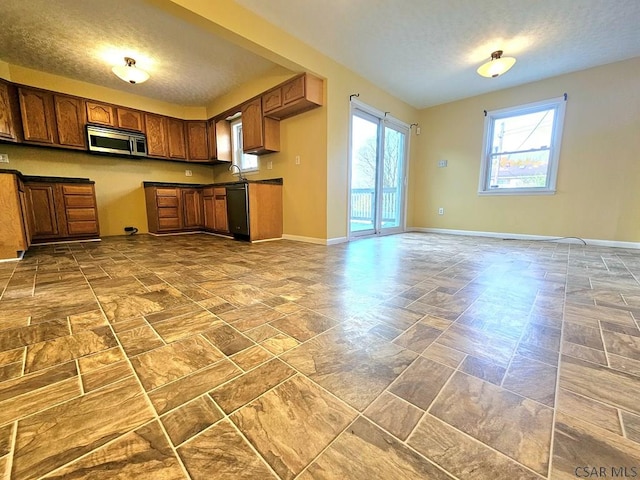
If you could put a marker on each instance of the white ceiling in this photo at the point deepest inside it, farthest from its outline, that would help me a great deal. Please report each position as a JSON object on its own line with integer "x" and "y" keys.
{"x": 426, "y": 51}
{"x": 422, "y": 51}
{"x": 83, "y": 39}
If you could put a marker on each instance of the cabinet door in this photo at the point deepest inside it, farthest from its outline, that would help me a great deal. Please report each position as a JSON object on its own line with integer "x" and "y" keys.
{"x": 129, "y": 119}
{"x": 70, "y": 121}
{"x": 211, "y": 136}
{"x": 209, "y": 213}
{"x": 37, "y": 115}
{"x": 101, "y": 114}
{"x": 197, "y": 141}
{"x": 192, "y": 207}
{"x": 44, "y": 222}
{"x": 220, "y": 206}
{"x": 156, "y": 126}
{"x": 293, "y": 90}
{"x": 252, "y": 133}
{"x": 7, "y": 126}
{"x": 176, "y": 139}
{"x": 223, "y": 141}
{"x": 272, "y": 100}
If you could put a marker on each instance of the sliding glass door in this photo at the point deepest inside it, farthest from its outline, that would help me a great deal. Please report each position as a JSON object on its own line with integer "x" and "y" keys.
{"x": 377, "y": 172}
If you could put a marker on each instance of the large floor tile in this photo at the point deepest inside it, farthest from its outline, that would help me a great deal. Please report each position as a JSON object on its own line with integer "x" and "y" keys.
{"x": 513, "y": 425}
{"x": 364, "y": 451}
{"x": 277, "y": 421}
{"x": 221, "y": 453}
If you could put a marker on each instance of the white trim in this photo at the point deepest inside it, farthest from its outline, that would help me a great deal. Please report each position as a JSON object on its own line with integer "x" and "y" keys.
{"x": 175, "y": 233}
{"x": 17, "y": 259}
{"x": 315, "y": 240}
{"x": 266, "y": 240}
{"x": 522, "y": 236}
{"x": 336, "y": 240}
{"x": 67, "y": 241}
{"x": 377, "y": 113}
{"x": 558, "y": 104}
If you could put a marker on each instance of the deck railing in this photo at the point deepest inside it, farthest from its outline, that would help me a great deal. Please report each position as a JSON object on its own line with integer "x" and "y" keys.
{"x": 363, "y": 204}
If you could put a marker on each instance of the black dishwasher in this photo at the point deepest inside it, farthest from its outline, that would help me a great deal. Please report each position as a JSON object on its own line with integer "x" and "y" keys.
{"x": 238, "y": 210}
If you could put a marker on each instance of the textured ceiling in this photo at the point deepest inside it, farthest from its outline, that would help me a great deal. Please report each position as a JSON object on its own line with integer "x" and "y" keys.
{"x": 83, "y": 39}
{"x": 426, "y": 51}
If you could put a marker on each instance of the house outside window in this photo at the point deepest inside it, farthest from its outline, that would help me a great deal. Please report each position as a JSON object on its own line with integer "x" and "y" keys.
{"x": 522, "y": 149}
{"x": 246, "y": 161}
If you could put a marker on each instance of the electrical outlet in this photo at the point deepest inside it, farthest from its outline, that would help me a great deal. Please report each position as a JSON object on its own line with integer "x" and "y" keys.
{"x": 269, "y": 165}
{"x": 441, "y": 211}
{"x": 442, "y": 163}
{"x": 297, "y": 159}
{"x": 4, "y": 158}
{"x": 188, "y": 173}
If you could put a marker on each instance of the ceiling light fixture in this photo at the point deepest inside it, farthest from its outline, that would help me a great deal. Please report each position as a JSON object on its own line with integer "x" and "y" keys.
{"x": 129, "y": 72}
{"x": 496, "y": 66}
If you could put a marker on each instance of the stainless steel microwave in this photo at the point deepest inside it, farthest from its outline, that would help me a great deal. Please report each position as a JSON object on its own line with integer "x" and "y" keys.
{"x": 111, "y": 140}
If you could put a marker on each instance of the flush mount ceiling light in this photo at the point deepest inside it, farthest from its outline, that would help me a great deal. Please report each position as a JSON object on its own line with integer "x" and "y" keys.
{"x": 496, "y": 66}
{"x": 129, "y": 72}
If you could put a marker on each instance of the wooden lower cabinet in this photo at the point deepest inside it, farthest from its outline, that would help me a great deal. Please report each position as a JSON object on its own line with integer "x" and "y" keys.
{"x": 62, "y": 211}
{"x": 215, "y": 209}
{"x": 180, "y": 208}
{"x": 192, "y": 208}
{"x": 36, "y": 211}
{"x": 14, "y": 231}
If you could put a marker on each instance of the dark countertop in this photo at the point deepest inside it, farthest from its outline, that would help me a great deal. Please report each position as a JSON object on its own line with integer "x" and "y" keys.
{"x": 269, "y": 181}
{"x": 36, "y": 178}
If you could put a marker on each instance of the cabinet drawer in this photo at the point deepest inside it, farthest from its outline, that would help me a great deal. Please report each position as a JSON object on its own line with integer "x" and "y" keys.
{"x": 208, "y": 192}
{"x": 168, "y": 212}
{"x": 166, "y": 192}
{"x": 81, "y": 214}
{"x": 79, "y": 201}
{"x": 87, "y": 227}
{"x": 220, "y": 192}
{"x": 167, "y": 201}
{"x": 168, "y": 223}
{"x": 77, "y": 189}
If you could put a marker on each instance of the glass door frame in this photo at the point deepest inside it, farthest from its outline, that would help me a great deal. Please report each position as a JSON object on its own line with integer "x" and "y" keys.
{"x": 383, "y": 120}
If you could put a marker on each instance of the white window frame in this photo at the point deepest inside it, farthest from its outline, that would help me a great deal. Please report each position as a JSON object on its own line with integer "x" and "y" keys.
{"x": 558, "y": 105}
{"x": 238, "y": 157}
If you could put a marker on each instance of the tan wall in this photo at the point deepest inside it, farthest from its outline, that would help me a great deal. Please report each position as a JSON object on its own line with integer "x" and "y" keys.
{"x": 598, "y": 194}
{"x": 119, "y": 191}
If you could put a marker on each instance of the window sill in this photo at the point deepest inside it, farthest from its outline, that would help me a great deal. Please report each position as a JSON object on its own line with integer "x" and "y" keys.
{"x": 519, "y": 191}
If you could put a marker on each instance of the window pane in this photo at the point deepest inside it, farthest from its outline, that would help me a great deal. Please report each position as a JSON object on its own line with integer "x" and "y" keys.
{"x": 249, "y": 162}
{"x": 519, "y": 170}
{"x": 523, "y": 132}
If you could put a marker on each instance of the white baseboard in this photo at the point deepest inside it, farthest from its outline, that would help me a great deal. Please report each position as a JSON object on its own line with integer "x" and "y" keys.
{"x": 315, "y": 240}
{"x": 521, "y": 236}
{"x": 67, "y": 241}
{"x": 17, "y": 259}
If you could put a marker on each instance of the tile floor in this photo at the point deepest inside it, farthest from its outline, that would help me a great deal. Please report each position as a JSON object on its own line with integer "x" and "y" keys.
{"x": 407, "y": 357}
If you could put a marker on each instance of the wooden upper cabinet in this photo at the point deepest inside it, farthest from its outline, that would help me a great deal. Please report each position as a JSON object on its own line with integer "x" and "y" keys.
{"x": 176, "y": 139}
{"x": 211, "y": 137}
{"x": 36, "y": 107}
{"x": 295, "y": 96}
{"x": 156, "y": 127}
{"x": 260, "y": 134}
{"x": 8, "y": 113}
{"x": 129, "y": 119}
{"x": 101, "y": 114}
{"x": 223, "y": 140}
{"x": 70, "y": 121}
{"x": 272, "y": 100}
{"x": 197, "y": 140}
